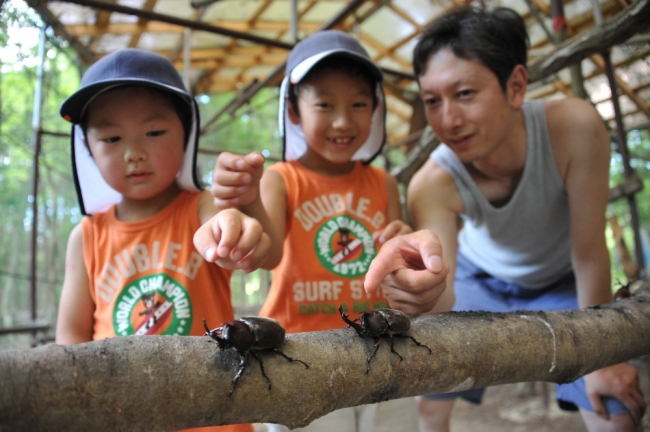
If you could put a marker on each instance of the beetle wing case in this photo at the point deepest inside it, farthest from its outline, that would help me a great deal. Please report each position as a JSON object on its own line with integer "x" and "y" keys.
{"x": 398, "y": 321}
{"x": 268, "y": 332}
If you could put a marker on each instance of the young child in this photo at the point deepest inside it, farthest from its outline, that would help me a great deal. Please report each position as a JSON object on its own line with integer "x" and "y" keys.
{"x": 131, "y": 267}
{"x": 326, "y": 208}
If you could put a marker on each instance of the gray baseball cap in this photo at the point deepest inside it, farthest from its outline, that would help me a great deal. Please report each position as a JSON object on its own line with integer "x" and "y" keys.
{"x": 126, "y": 67}
{"x": 303, "y": 57}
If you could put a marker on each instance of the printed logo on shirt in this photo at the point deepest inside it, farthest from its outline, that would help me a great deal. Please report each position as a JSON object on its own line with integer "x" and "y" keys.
{"x": 345, "y": 246}
{"x": 153, "y": 305}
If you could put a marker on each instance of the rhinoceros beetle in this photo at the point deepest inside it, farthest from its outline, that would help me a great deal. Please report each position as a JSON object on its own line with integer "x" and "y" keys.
{"x": 386, "y": 323}
{"x": 246, "y": 335}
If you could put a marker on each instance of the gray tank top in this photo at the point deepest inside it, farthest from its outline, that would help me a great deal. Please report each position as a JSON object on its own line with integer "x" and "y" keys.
{"x": 526, "y": 241}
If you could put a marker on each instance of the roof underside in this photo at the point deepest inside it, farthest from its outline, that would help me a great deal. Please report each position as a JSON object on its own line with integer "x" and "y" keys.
{"x": 221, "y": 62}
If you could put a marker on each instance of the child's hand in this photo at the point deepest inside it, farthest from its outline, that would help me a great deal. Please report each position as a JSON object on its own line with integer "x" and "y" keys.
{"x": 233, "y": 240}
{"x": 393, "y": 229}
{"x": 236, "y": 179}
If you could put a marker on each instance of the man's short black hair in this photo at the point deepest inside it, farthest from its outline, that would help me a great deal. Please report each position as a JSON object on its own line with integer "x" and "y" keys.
{"x": 497, "y": 39}
{"x": 338, "y": 63}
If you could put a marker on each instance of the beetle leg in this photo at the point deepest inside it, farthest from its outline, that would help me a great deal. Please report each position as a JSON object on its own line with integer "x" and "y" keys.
{"x": 277, "y": 351}
{"x": 374, "y": 351}
{"x": 414, "y": 341}
{"x": 392, "y": 349}
{"x": 242, "y": 367}
{"x": 259, "y": 360}
{"x": 351, "y": 323}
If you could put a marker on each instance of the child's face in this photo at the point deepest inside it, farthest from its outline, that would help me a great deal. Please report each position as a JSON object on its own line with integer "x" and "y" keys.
{"x": 335, "y": 112}
{"x": 136, "y": 139}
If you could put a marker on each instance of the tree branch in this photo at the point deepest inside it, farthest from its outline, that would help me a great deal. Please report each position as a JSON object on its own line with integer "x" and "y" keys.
{"x": 166, "y": 383}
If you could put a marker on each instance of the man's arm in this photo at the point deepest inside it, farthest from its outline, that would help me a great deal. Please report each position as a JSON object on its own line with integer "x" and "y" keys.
{"x": 582, "y": 151}
{"x": 435, "y": 204}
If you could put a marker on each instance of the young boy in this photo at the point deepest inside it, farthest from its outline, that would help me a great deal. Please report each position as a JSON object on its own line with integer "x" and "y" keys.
{"x": 325, "y": 206}
{"x": 131, "y": 267}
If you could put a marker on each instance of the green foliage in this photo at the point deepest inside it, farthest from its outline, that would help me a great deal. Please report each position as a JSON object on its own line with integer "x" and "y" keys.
{"x": 639, "y": 147}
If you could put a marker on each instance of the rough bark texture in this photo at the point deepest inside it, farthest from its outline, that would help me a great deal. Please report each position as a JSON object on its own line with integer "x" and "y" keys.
{"x": 634, "y": 19}
{"x": 166, "y": 383}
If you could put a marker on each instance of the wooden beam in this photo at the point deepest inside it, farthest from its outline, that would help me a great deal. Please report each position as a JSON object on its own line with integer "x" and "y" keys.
{"x": 630, "y": 186}
{"x": 624, "y": 86}
{"x": 164, "y": 27}
{"x": 194, "y": 25}
{"x": 631, "y": 21}
{"x": 383, "y": 50}
{"x": 142, "y": 23}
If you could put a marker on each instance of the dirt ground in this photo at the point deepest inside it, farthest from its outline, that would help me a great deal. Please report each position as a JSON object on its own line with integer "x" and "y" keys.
{"x": 512, "y": 408}
{"x": 504, "y": 410}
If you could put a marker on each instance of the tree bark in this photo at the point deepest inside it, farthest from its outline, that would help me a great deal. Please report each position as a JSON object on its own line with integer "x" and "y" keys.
{"x": 166, "y": 383}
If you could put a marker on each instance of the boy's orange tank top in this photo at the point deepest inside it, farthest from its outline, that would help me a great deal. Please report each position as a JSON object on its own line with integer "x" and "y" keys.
{"x": 328, "y": 246}
{"x": 146, "y": 277}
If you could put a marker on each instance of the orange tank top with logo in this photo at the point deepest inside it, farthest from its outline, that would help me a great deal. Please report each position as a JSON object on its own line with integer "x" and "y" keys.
{"x": 328, "y": 246}
{"x": 146, "y": 277}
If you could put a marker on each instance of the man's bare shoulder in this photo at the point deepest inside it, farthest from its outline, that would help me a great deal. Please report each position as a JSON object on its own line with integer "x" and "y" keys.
{"x": 433, "y": 184}
{"x": 568, "y": 116}
{"x": 576, "y": 131}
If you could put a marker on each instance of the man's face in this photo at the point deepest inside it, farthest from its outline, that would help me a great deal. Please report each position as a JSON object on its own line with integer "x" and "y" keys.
{"x": 465, "y": 105}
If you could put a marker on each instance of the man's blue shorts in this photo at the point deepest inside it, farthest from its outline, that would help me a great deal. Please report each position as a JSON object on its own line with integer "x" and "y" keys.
{"x": 476, "y": 290}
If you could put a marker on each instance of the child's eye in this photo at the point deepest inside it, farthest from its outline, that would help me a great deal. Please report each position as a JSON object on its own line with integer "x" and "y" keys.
{"x": 360, "y": 104}
{"x": 464, "y": 94}
{"x": 323, "y": 105}
{"x": 431, "y": 101}
{"x": 155, "y": 133}
{"x": 111, "y": 140}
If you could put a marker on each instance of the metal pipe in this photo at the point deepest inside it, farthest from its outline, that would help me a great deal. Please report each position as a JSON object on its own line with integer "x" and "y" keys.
{"x": 36, "y": 146}
{"x": 25, "y": 329}
{"x": 187, "y": 59}
{"x": 195, "y": 25}
{"x": 293, "y": 21}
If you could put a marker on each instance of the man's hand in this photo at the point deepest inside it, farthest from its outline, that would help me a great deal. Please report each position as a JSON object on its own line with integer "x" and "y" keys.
{"x": 621, "y": 382}
{"x": 410, "y": 272}
{"x": 233, "y": 240}
{"x": 236, "y": 179}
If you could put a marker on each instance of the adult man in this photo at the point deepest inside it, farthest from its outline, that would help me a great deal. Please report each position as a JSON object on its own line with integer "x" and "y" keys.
{"x": 530, "y": 182}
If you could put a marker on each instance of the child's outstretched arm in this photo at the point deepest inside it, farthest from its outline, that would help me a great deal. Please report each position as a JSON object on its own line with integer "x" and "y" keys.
{"x": 233, "y": 240}
{"x": 395, "y": 224}
{"x": 238, "y": 181}
{"x": 75, "y": 319}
